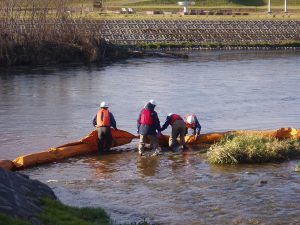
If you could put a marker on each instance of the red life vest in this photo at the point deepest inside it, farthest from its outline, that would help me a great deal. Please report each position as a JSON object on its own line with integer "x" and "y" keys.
{"x": 103, "y": 119}
{"x": 175, "y": 117}
{"x": 146, "y": 117}
{"x": 190, "y": 121}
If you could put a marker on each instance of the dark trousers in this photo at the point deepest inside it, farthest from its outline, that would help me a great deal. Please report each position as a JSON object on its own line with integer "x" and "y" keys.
{"x": 104, "y": 139}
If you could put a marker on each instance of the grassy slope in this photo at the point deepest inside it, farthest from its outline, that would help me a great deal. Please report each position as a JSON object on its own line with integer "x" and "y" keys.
{"x": 206, "y": 3}
{"x": 209, "y": 3}
{"x": 59, "y": 214}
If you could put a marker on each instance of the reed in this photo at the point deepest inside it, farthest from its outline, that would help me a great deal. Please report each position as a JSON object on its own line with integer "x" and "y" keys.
{"x": 234, "y": 149}
{"x": 38, "y": 32}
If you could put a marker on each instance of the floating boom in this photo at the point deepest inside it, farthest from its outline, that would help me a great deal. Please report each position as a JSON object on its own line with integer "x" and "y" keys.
{"x": 89, "y": 144}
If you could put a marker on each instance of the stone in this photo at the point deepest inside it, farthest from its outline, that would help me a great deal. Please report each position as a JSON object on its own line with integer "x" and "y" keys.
{"x": 20, "y": 196}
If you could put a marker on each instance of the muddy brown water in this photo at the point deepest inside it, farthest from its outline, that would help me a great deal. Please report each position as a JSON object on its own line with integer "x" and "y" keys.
{"x": 44, "y": 107}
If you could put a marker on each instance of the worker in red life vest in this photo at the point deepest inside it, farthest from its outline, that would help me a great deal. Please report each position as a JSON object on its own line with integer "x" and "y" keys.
{"x": 178, "y": 129}
{"x": 192, "y": 122}
{"x": 147, "y": 125}
{"x": 103, "y": 121}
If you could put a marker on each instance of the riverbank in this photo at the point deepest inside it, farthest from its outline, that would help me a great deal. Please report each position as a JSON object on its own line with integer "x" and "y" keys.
{"x": 25, "y": 201}
{"x": 95, "y": 41}
{"x": 37, "y": 42}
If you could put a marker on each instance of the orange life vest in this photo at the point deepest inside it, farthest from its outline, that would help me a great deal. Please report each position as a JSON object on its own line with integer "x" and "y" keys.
{"x": 190, "y": 121}
{"x": 103, "y": 119}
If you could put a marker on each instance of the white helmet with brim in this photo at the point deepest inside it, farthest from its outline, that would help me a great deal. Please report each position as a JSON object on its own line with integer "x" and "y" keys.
{"x": 152, "y": 102}
{"x": 103, "y": 105}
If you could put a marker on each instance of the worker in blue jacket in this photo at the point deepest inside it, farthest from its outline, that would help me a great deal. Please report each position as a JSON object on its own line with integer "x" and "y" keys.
{"x": 148, "y": 127}
{"x": 191, "y": 122}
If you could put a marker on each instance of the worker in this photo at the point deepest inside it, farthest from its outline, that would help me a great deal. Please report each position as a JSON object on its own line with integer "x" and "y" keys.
{"x": 103, "y": 121}
{"x": 192, "y": 122}
{"x": 178, "y": 129}
{"x": 148, "y": 126}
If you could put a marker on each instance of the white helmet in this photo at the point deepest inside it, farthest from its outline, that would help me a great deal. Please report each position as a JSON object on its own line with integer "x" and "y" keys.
{"x": 170, "y": 114}
{"x": 103, "y": 105}
{"x": 152, "y": 102}
{"x": 190, "y": 119}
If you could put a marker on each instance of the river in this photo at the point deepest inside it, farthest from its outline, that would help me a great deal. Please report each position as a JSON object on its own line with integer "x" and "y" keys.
{"x": 42, "y": 107}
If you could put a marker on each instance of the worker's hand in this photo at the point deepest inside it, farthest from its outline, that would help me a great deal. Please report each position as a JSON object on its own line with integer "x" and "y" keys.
{"x": 137, "y": 131}
{"x": 197, "y": 137}
{"x": 116, "y": 128}
{"x": 159, "y": 134}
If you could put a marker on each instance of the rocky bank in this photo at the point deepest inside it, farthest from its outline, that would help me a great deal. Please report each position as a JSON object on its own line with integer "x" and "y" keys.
{"x": 20, "y": 196}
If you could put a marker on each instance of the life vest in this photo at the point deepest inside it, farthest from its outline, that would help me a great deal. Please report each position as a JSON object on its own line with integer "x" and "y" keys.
{"x": 103, "y": 119}
{"x": 190, "y": 121}
{"x": 146, "y": 117}
{"x": 175, "y": 117}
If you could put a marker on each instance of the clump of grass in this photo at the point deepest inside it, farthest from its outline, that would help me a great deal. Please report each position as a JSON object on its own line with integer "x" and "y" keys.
{"x": 4, "y": 220}
{"x": 59, "y": 214}
{"x": 245, "y": 148}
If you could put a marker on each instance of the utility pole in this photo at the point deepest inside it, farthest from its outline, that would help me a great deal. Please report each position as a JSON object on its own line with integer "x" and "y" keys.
{"x": 269, "y": 7}
{"x": 285, "y": 6}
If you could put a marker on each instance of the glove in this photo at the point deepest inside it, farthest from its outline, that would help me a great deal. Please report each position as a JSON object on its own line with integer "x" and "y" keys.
{"x": 159, "y": 134}
{"x": 137, "y": 131}
{"x": 116, "y": 128}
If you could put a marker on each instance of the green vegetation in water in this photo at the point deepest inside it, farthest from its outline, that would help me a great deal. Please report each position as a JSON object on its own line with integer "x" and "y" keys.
{"x": 297, "y": 168}
{"x": 214, "y": 45}
{"x": 245, "y": 148}
{"x": 59, "y": 214}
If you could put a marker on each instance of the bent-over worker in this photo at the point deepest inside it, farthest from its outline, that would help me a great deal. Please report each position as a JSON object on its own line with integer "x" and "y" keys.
{"x": 192, "y": 122}
{"x": 178, "y": 129}
{"x": 103, "y": 121}
{"x": 147, "y": 125}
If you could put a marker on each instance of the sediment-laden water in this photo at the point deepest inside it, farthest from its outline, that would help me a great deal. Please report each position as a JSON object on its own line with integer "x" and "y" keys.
{"x": 44, "y": 107}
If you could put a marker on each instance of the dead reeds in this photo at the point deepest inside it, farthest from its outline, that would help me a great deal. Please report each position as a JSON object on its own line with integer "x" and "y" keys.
{"x": 41, "y": 31}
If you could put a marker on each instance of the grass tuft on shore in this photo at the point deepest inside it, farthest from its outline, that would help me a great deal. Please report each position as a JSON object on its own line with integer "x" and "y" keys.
{"x": 245, "y": 148}
{"x": 7, "y": 220}
{"x": 59, "y": 214}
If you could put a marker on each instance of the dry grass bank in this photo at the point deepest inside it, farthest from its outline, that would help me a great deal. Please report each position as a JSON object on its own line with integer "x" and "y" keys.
{"x": 34, "y": 32}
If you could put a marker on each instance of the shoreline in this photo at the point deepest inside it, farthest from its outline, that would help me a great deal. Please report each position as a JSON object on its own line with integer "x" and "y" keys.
{"x": 37, "y": 42}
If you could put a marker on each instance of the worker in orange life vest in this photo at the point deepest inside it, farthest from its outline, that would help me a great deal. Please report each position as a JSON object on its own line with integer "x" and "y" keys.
{"x": 192, "y": 122}
{"x": 178, "y": 129}
{"x": 147, "y": 125}
{"x": 103, "y": 121}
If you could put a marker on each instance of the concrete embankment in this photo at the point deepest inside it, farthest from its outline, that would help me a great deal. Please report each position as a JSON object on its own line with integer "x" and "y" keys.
{"x": 40, "y": 42}
{"x": 197, "y": 32}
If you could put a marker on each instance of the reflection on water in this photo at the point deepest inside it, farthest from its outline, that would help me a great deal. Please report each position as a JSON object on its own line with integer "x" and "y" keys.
{"x": 46, "y": 107}
{"x": 147, "y": 166}
{"x": 177, "y": 188}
